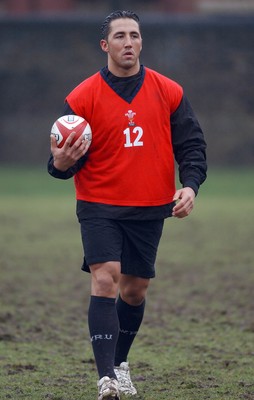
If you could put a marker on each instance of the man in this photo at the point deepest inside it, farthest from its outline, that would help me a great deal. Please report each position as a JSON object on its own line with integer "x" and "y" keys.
{"x": 125, "y": 187}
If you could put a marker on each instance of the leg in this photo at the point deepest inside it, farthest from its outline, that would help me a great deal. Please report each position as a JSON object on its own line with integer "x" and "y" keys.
{"x": 102, "y": 315}
{"x": 138, "y": 259}
{"x": 130, "y": 308}
{"x": 102, "y": 241}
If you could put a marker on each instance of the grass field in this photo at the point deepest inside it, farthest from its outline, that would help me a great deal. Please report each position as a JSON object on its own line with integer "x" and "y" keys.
{"x": 197, "y": 339}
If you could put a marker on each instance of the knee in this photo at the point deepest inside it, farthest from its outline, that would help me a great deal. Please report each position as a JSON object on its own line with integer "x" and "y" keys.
{"x": 105, "y": 279}
{"x": 133, "y": 298}
{"x": 103, "y": 284}
{"x": 134, "y": 293}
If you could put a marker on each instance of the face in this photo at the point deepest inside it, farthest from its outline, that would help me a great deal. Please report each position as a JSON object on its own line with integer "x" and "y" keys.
{"x": 123, "y": 47}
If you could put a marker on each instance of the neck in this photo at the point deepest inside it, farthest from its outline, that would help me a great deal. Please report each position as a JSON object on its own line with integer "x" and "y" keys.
{"x": 122, "y": 72}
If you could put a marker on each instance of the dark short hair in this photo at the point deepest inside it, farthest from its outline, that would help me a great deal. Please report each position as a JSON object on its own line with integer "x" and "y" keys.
{"x": 105, "y": 28}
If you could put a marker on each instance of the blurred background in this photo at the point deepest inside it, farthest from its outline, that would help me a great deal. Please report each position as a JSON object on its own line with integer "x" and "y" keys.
{"x": 48, "y": 46}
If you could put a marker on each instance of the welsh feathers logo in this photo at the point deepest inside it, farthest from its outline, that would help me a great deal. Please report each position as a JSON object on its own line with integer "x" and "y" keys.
{"x": 130, "y": 115}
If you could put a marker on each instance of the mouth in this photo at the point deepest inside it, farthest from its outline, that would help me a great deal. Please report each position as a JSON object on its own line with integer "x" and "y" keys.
{"x": 128, "y": 54}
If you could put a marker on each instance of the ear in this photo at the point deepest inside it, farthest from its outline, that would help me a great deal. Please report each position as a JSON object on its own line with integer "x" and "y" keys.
{"x": 104, "y": 45}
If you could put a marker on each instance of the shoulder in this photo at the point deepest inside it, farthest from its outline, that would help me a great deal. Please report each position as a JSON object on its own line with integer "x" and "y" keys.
{"x": 80, "y": 97}
{"x": 171, "y": 88}
{"x": 86, "y": 84}
{"x": 163, "y": 79}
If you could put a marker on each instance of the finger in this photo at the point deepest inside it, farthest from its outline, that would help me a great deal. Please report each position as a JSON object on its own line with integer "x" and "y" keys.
{"x": 182, "y": 207}
{"x": 183, "y": 211}
{"x": 179, "y": 206}
{"x": 82, "y": 149}
{"x": 82, "y": 144}
{"x": 69, "y": 140}
{"x": 77, "y": 149}
{"x": 53, "y": 142}
{"x": 87, "y": 144}
{"x": 177, "y": 195}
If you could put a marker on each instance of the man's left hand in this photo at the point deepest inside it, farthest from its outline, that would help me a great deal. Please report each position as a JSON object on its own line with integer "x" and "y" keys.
{"x": 184, "y": 202}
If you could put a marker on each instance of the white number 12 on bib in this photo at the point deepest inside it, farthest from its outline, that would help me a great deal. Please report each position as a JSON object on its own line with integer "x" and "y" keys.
{"x": 137, "y": 141}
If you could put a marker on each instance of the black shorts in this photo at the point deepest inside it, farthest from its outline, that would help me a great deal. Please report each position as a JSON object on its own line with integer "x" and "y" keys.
{"x": 133, "y": 243}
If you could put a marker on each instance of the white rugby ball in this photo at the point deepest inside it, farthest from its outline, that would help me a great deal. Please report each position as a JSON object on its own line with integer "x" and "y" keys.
{"x": 67, "y": 124}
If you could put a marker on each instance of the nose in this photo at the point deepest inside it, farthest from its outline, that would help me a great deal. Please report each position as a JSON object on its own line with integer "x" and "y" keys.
{"x": 128, "y": 41}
